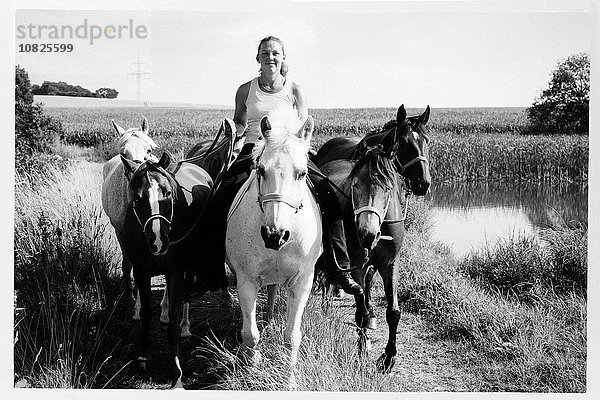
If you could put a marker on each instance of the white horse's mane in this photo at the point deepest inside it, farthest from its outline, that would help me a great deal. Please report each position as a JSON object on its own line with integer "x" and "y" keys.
{"x": 284, "y": 124}
{"x": 134, "y": 132}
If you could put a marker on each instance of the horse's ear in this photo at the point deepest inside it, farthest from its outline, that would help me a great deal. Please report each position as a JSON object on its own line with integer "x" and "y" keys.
{"x": 307, "y": 129}
{"x": 118, "y": 128}
{"x": 425, "y": 116}
{"x": 130, "y": 165}
{"x": 145, "y": 125}
{"x": 390, "y": 144}
{"x": 401, "y": 114}
{"x": 265, "y": 126}
{"x": 165, "y": 160}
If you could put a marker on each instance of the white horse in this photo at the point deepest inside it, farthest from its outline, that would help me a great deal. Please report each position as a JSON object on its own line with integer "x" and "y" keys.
{"x": 277, "y": 240}
{"x": 134, "y": 144}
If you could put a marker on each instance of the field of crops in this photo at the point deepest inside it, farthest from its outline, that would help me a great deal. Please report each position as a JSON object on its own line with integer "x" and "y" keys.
{"x": 466, "y": 144}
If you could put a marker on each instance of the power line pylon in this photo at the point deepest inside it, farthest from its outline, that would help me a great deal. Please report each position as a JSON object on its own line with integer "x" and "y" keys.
{"x": 138, "y": 73}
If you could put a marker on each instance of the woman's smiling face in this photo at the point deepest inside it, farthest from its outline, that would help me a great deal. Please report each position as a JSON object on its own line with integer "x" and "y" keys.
{"x": 270, "y": 56}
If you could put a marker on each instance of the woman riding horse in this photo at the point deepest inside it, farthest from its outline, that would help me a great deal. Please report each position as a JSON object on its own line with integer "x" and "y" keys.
{"x": 271, "y": 92}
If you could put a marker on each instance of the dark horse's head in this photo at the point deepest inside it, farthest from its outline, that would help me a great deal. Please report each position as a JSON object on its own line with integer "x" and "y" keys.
{"x": 154, "y": 194}
{"x": 412, "y": 155}
{"x": 372, "y": 185}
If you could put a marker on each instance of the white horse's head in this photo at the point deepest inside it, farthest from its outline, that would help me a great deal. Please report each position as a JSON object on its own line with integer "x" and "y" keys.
{"x": 281, "y": 164}
{"x": 135, "y": 144}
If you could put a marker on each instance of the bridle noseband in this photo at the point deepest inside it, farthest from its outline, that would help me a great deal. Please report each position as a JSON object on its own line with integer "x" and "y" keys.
{"x": 152, "y": 217}
{"x": 411, "y": 162}
{"x": 276, "y": 197}
{"x": 369, "y": 208}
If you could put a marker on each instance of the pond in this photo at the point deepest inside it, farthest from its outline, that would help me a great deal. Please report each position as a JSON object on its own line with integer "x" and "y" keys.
{"x": 467, "y": 216}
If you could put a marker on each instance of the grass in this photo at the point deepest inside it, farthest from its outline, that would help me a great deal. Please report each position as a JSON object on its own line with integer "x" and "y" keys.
{"x": 533, "y": 345}
{"x": 66, "y": 292}
{"x": 519, "y": 308}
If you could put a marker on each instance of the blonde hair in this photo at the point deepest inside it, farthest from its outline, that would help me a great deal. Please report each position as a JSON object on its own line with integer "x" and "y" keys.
{"x": 284, "y": 65}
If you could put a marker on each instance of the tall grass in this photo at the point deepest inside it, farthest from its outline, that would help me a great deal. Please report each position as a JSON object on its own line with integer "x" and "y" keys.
{"x": 65, "y": 290}
{"x": 467, "y": 144}
{"x": 506, "y": 157}
{"x": 537, "y": 345}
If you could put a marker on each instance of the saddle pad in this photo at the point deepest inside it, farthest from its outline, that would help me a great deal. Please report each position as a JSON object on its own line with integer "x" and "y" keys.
{"x": 189, "y": 175}
{"x": 240, "y": 194}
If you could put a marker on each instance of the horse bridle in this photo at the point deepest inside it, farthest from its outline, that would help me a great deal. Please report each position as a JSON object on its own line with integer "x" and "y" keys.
{"x": 276, "y": 197}
{"x": 154, "y": 216}
{"x": 411, "y": 162}
{"x": 369, "y": 208}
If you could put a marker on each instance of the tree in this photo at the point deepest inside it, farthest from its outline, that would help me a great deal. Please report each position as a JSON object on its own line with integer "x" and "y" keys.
{"x": 563, "y": 108}
{"x": 34, "y": 131}
{"x": 106, "y": 93}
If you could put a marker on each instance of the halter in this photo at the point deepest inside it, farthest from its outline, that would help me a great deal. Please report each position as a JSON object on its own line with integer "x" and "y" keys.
{"x": 276, "y": 197}
{"x": 411, "y": 162}
{"x": 369, "y": 208}
{"x": 154, "y": 216}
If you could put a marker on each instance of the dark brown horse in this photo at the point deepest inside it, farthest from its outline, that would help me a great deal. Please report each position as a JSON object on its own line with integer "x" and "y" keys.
{"x": 372, "y": 202}
{"x": 412, "y": 154}
{"x": 160, "y": 238}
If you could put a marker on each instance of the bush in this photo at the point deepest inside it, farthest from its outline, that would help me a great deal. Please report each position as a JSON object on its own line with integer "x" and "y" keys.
{"x": 522, "y": 266}
{"x": 563, "y": 108}
{"x": 34, "y": 131}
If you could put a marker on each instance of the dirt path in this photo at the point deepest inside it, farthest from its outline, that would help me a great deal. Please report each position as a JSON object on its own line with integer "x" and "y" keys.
{"x": 424, "y": 363}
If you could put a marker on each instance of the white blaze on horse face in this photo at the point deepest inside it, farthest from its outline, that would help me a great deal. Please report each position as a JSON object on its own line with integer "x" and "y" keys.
{"x": 153, "y": 198}
{"x": 281, "y": 178}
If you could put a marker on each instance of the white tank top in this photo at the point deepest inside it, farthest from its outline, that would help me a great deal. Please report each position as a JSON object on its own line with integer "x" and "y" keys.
{"x": 259, "y": 104}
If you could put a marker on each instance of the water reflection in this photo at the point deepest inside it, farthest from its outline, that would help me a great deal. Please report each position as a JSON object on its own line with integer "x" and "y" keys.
{"x": 466, "y": 216}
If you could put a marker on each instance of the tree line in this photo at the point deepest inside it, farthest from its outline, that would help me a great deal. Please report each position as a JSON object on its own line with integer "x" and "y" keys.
{"x": 64, "y": 89}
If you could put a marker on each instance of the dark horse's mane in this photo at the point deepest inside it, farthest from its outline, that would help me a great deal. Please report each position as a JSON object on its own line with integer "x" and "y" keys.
{"x": 150, "y": 165}
{"x": 381, "y": 168}
{"x": 387, "y": 126}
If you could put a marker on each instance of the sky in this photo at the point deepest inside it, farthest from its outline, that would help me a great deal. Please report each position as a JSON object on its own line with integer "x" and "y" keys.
{"x": 351, "y": 54}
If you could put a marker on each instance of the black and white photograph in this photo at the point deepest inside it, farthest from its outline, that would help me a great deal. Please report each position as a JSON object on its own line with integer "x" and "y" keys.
{"x": 328, "y": 197}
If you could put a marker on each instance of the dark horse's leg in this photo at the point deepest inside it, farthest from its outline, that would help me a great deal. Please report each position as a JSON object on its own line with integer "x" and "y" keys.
{"x": 372, "y": 321}
{"x": 361, "y": 315}
{"x": 142, "y": 283}
{"x": 389, "y": 272}
{"x": 175, "y": 289}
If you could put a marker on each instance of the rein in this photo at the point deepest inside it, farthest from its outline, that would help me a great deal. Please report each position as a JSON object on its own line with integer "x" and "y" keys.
{"x": 207, "y": 152}
{"x": 214, "y": 187}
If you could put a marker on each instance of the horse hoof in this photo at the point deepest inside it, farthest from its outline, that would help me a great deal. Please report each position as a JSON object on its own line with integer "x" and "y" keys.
{"x": 164, "y": 326}
{"x": 372, "y": 323}
{"x": 386, "y": 363}
{"x": 251, "y": 357}
{"x": 177, "y": 385}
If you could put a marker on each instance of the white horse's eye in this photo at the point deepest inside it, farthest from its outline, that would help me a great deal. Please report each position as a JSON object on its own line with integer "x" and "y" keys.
{"x": 301, "y": 175}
